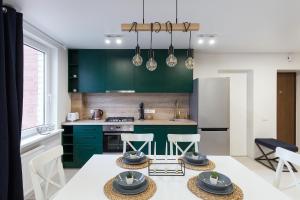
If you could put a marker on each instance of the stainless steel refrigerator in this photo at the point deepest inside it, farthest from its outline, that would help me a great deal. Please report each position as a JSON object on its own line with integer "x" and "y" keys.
{"x": 209, "y": 106}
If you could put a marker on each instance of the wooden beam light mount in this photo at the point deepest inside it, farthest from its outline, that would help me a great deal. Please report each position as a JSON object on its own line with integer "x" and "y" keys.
{"x": 184, "y": 27}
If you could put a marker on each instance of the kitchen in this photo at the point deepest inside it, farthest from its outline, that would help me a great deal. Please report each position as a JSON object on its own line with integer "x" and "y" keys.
{"x": 167, "y": 74}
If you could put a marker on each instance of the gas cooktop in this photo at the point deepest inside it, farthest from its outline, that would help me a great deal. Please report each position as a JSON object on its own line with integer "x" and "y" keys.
{"x": 119, "y": 119}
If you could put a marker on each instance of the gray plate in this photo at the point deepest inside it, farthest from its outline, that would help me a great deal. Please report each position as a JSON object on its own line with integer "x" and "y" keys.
{"x": 202, "y": 186}
{"x": 223, "y": 182}
{"x": 200, "y": 158}
{"x": 121, "y": 190}
{"x": 135, "y": 162}
{"x": 205, "y": 162}
{"x": 139, "y": 156}
{"x": 139, "y": 179}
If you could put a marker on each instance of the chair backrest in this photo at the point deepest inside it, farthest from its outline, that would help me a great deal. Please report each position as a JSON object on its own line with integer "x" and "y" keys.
{"x": 147, "y": 138}
{"x": 174, "y": 139}
{"x": 285, "y": 158}
{"x": 42, "y": 168}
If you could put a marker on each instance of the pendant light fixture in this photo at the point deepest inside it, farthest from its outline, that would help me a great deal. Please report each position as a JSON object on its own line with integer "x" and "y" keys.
{"x": 137, "y": 59}
{"x": 151, "y": 64}
{"x": 171, "y": 60}
{"x": 189, "y": 62}
{"x": 169, "y": 27}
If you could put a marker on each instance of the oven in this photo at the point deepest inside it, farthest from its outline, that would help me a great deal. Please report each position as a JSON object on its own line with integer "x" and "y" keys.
{"x": 112, "y": 137}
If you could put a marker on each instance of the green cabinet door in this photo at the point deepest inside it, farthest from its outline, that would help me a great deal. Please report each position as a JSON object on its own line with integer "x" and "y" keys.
{"x": 88, "y": 140}
{"x": 119, "y": 72}
{"x": 91, "y": 70}
{"x": 84, "y": 152}
{"x": 179, "y": 78}
{"x": 149, "y": 81}
{"x": 176, "y": 79}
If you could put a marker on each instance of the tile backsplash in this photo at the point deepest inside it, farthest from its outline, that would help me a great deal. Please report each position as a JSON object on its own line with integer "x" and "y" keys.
{"x": 120, "y": 104}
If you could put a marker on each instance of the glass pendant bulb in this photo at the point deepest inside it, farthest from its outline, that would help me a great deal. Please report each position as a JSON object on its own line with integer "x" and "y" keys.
{"x": 151, "y": 64}
{"x": 137, "y": 59}
{"x": 189, "y": 62}
{"x": 171, "y": 59}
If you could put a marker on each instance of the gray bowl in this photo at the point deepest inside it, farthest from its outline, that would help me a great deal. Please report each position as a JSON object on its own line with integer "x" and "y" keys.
{"x": 203, "y": 163}
{"x": 198, "y": 159}
{"x": 138, "y": 190}
{"x": 226, "y": 191}
{"x": 134, "y": 156}
{"x": 223, "y": 183}
{"x": 138, "y": 180}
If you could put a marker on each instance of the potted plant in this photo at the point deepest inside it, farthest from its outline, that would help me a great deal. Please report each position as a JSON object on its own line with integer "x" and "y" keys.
{"x": 195, "y": 155}
{"x": 129, "y": 178}
{"x": 133, "y": 155}
{"x": 214, "y": 177}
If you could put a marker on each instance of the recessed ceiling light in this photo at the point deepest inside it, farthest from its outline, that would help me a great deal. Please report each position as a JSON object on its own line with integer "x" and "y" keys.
{"x": 212, "y": 41}
{"x": 118, "y": 41}
{"x": 107, "y": 41}
{"x": 200, "y": 41}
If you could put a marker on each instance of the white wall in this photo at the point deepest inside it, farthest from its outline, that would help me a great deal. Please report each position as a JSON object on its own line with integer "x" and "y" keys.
{"x": 298, "y": 109}
{"x": 264, "y": 68}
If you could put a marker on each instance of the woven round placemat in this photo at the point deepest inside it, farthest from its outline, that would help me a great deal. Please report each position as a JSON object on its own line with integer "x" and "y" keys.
{"x": 121, "y": 164}
{"x": 210, "y": 166}
{"x": 113, "y": 195}
{"x": 236, "y": 195}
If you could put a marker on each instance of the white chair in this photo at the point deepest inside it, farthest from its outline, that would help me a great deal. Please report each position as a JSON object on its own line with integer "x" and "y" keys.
{"x": 285, "y": 158}
{"x": 43, "y": 168}
{"x": 194, "y": 139}
{"x": 146, "y": 138}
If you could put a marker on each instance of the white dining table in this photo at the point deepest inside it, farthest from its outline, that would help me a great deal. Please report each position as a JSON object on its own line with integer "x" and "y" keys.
{"x": 89, "y": 181}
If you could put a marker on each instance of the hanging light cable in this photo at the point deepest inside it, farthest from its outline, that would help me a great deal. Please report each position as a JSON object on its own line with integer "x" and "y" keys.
{"x": 137, "y": 59}
{"x": 189, "y": 62}
{"x": 151, "y": 64}
{"x": 171, "y": 59}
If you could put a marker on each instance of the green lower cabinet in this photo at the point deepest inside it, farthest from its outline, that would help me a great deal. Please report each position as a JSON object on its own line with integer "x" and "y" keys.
{"x": 160, "y": 135}
{"x": 84, "y": 152}
{"x": 88, "y": 140}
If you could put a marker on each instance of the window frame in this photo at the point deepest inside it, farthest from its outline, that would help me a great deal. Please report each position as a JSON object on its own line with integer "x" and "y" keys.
{"x": 47, "y": 84}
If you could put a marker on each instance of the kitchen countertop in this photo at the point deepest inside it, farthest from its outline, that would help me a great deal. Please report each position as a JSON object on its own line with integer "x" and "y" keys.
{"x": 136, "y": 122}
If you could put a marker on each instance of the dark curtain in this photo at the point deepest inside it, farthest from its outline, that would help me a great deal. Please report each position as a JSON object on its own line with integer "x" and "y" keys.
{"x": 11, "y": 101}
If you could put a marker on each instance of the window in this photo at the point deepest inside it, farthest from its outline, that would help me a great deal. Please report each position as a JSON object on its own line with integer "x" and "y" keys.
{"x": 34, "y": 88}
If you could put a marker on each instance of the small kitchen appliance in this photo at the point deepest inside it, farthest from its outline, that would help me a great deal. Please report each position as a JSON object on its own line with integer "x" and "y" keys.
{"x": 73, "y": 116}
{"x": 96, "y": 114}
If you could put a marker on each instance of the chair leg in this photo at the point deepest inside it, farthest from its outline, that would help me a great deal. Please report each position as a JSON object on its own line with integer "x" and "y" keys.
{"x": 278, "y": 173}
{"x": 265, "y": 157}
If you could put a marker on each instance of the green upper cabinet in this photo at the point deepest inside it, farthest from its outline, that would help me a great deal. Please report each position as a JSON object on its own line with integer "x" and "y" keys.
{"x": 119, "y": 72}
{"x": 164, "y": 78}
{"x": 92, "y": 70}
{"x": 101, "y": 70}
{"x": 178, "y": 78}
{"x": 150, "y": 81}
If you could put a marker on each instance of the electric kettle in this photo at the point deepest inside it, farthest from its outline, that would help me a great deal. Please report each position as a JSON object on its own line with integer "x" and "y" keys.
{"x": 96, "y": 114}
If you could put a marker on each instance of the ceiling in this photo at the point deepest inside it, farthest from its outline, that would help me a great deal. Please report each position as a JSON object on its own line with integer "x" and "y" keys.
{"x": 240, "y": 25}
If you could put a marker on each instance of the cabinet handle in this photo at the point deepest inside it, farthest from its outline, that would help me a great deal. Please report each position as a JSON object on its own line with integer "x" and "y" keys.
{"x": 88, "y": 137}
{"x": 89, "y": 129}
{"x": 88, "y": 148}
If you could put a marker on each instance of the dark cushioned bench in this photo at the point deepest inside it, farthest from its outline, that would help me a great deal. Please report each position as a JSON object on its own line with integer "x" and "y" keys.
{"x": 272, "y": 144}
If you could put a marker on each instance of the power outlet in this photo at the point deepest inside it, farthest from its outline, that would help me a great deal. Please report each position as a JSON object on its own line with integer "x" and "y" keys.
{"x": 149, "y": 111}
